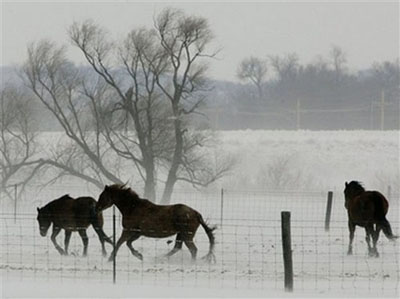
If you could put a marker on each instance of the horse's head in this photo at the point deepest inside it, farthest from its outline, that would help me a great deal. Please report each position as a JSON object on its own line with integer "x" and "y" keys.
{"x": 44, "y": 220}
{"x": 105, "y": 199}
{"x": 352, "y": 190}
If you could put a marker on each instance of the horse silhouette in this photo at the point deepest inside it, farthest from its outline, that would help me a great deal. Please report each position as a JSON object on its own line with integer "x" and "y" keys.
{"x": 367, "y": 209}
{"x": 140, "y": 217}
{"x": 72, "y": 215}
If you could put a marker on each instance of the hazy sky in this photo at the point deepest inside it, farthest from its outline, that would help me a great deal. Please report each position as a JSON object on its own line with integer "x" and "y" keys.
{"x": 367, "y": 31}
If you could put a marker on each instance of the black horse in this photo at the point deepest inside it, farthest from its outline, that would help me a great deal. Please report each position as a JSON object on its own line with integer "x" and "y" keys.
{"x": 141, "y": 217}
{"x": 72, "y": 215}
{"x": 367, "y": 209}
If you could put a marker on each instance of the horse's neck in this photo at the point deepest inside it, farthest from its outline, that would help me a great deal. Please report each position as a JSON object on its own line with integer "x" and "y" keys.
{"x": 124, "y": 203}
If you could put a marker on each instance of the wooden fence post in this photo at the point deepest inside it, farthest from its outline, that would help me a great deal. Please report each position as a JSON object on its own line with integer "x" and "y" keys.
{"x": 328, "y": 210}
{"x": 287, "y": 251}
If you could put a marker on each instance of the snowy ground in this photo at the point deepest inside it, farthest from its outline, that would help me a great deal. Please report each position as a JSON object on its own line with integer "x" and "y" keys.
{"x": 248, "y": 250}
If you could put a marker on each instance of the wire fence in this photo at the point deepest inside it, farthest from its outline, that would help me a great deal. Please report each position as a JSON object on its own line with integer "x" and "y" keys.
{"x": 248, "y": 247}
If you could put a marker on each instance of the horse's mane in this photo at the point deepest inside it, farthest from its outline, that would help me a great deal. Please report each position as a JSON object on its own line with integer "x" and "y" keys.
{"x": 356, "y": 186}
{"x": 123, "y": 187}
{"x": 66, "y": 196}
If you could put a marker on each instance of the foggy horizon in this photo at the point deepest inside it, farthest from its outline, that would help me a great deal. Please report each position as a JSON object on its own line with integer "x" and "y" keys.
{"x": 258, "y": 29}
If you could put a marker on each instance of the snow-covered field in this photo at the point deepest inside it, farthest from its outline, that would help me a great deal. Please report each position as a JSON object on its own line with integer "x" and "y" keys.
{"x": 275, "y": 171}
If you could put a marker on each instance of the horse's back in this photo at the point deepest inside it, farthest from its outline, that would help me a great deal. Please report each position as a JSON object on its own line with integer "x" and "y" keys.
{"x": 381, "y": 203}
{"x": 74, "y": 214}
{"x": 162, "y": 220}
{"x": 85, "y": 203}
{"x": 370, "y": 206}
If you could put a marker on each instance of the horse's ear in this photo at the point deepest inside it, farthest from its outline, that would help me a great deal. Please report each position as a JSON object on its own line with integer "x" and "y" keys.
{"x": 106, "y": 187}
{"x": 346, "y": 184}
{"x": 38, "y": 209}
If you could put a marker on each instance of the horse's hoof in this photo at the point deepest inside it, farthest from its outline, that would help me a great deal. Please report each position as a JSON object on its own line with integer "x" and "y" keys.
{"x": 210, "y": 258}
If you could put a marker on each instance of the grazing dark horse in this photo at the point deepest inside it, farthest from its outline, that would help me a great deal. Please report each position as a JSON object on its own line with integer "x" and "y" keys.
{"x": 71, "y": 215}
{"x": 140, "y": 217}
{"x": 367, "y": 209}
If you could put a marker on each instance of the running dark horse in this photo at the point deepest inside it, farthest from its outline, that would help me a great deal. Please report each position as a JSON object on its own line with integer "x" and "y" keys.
{"x": 367, "y": 209}
{"x": 72, "y": 215}
{"x": 140, "y": 217}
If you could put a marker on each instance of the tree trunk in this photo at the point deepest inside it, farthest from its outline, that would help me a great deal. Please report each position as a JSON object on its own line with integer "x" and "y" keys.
{"x": 168, "y": 189}
{"x": 176, "y": 160}
{"x": 150, "y": 185}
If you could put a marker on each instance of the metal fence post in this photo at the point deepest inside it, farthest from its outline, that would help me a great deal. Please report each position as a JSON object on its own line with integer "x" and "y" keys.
{"x": 114, "y": 256}
{"x": 287, "y": 250}
{"x": 222, "y": 205}
{"x": 15, "y": 202}
{"x": 328, "y": 211}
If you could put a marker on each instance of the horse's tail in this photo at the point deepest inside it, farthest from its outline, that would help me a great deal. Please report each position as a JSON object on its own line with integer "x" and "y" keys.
{"x": 210, "y": 257}
{"x": 381, "y": 206}
{"x": 97, "y": 221}
{"x": 387, "y": 229}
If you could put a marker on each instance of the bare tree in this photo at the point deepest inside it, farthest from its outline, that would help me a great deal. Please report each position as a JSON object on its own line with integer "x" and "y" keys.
{"x": 58, "y": 84}
{"x": 386, "y": 77}
{"x": 138, "y": 130}
{"x": 285, "y": 67}
{"x": 338, "y": 61}
{"x": 136, "y": 105}
{"x": 17, "y": 140}
{"x": 254, "y": 70}
{"x": 185, "y": 41}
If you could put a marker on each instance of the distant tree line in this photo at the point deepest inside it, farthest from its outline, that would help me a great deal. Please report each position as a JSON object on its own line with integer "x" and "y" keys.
{"x": 279, "y": 82}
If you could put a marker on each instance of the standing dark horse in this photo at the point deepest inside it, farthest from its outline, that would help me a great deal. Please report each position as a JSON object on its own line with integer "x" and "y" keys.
{"x": 366, "y": 209}
{"x": 140, "y": 217}
{"x": 71, "y": 215}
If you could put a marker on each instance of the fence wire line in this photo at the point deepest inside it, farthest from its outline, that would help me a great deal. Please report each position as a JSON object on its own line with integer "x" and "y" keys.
{"x": 248, "y": 248}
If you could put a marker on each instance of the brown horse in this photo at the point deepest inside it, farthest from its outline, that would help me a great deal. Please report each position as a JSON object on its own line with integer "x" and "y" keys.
{"x": 140, "y": 217}
{"x": 71, "y": 215}
{"x": 366, "y": 209}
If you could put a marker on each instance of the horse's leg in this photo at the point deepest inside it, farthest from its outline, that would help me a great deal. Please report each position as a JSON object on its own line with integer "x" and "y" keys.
{"x": 375, "y": 238}
{"x": 177, "y": 247}
{"x": 56, "y": 231}
{"x": 132, "y": 238}
{"x": 66, "y": 240}
{"x": 369, "y": 231}
{"x": 102, "y": 238}
{"x": 352, "y": 229}
{"x": 192, "y": 248}
{"x": 97, "y": 223}
{"x": 85, "y": 240}
{"x": 124, "y": 236}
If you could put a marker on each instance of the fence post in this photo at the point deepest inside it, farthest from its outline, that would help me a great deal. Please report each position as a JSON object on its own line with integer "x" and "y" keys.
{"x": 328, "y": 211}
{"x": 298, "y": 115}
{"x": 222, "y": 205}
{"x": 15, "y": 202}
{"x": 114, "y": 257}
{"x": 287, "y": 250}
